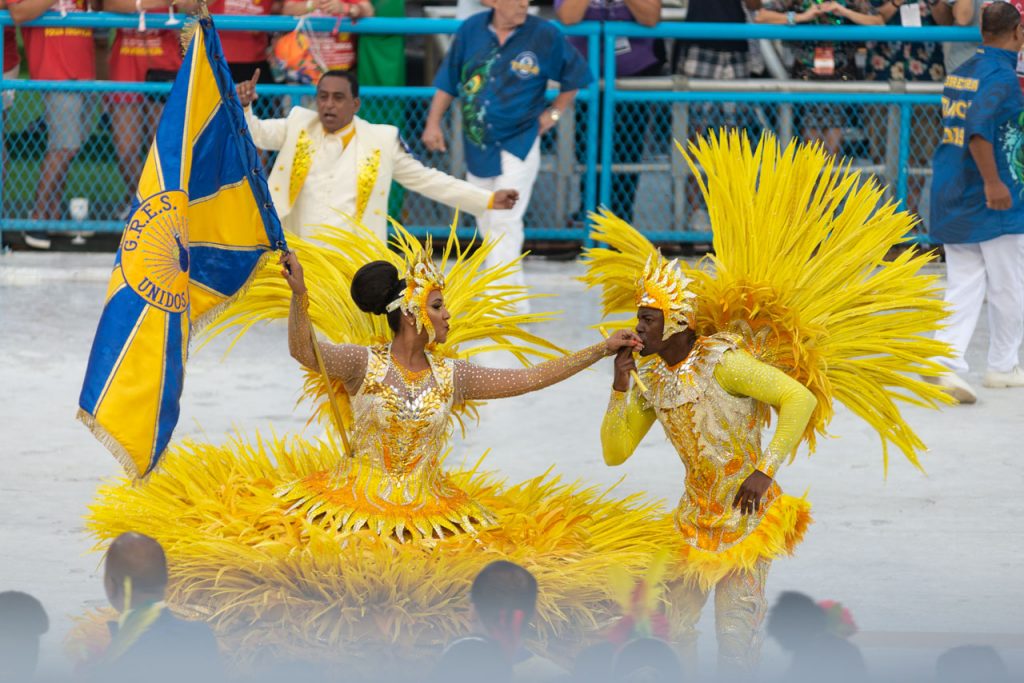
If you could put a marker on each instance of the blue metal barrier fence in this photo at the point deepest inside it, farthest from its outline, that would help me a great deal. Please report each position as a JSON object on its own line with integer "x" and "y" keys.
{"x": 626, "y": 126}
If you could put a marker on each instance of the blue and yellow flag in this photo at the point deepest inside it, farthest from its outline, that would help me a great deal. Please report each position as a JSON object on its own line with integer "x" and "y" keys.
{"x": 202, "y": 222}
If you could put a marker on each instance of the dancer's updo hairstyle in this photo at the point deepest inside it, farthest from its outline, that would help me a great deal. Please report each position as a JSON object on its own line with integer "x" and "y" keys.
{"x": 374, "y": 286}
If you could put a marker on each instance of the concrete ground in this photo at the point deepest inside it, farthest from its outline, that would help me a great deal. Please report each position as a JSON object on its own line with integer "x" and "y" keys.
{"x": 923, "y": 561}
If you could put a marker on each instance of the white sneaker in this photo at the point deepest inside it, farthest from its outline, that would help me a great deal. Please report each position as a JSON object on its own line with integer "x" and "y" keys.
{"x": 956, "y": 387}
{"x": 1004, "y": 380}
{"x": 37, "y": 240}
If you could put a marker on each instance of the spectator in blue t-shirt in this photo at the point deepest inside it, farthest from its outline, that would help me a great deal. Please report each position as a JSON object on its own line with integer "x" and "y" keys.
{"x": 499, "y": 65}
{"x": 978, "y": 202}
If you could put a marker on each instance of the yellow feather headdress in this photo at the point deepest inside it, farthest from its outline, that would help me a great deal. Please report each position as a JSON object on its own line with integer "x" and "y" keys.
{"x": 421, "y": 278}
{"x": 663, "y": 286}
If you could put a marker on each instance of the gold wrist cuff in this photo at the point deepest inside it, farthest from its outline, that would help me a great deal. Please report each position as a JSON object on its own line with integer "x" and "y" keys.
{"x": 302, "y": 300}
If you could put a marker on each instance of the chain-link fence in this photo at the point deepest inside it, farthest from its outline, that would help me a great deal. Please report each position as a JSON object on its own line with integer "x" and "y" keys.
{"x": 653, "y": 186}
{"x": 72, "y": 151}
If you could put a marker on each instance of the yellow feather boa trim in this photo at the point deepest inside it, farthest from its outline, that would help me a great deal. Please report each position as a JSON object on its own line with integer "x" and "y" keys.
{"x": 780, "y": 531}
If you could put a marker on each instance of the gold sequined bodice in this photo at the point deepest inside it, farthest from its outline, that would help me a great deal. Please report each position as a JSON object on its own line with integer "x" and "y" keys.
{"x": 718, "y": 438}
{"x": 400, "y": 420}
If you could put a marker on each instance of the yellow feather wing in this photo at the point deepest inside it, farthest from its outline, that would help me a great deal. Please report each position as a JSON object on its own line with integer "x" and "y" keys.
{"x": 799, "y": 266}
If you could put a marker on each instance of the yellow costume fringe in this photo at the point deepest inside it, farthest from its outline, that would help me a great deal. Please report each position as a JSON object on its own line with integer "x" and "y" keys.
{"x": 780, "y": 531}
{"x": 799, "y": 267}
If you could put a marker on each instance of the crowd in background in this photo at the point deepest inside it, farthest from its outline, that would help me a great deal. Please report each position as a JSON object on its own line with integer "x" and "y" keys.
{"x": 134, "y": 55}
{"x": 148, "y": 642}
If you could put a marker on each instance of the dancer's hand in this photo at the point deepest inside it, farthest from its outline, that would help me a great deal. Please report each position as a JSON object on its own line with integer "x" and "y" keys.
{"x": 291, "y": 271}
{"x": 752, "y": 490}
{"x": 997, "y": 196}
{"x": 623, "y": 339}
{"x": 625, "y": 366}
{"x": 247, "y": 90}
{"x": 505, "y": 199}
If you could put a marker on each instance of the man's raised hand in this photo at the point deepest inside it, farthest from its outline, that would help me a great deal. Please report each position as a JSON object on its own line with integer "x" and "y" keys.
{"x": 247, "y": 89}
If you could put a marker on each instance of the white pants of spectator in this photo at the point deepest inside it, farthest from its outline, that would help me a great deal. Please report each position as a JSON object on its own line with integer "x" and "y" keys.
{"x": 516, "y": 174}
{"x": 996, "y": 268}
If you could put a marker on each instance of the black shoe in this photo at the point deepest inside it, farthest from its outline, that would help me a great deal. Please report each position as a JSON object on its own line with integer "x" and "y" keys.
{"x": 37, "y": 240}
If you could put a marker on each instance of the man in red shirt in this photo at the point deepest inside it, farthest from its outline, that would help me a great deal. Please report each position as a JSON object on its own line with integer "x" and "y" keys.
{"x": 12, "y": 61}
{"x": 137, "y": 56}
{"x": 12, "y": 66}
{"x": 56, "y": 54}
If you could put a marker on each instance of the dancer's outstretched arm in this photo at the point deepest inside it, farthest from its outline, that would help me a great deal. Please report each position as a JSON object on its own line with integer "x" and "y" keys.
{"x": 473, "y": 382}
{"x": 346, "y": 362}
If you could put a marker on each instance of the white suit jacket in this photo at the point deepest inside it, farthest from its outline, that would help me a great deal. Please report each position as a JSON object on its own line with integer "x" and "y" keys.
{"x": 395, "y": 163}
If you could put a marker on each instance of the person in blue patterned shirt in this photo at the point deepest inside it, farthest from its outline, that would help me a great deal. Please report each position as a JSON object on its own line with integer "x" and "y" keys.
{"x": 499, "y": 66}
{"x": 978, "y": 203}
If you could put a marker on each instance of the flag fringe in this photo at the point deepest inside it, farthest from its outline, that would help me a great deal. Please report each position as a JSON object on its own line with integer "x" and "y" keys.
{"x": 111, "y": 443}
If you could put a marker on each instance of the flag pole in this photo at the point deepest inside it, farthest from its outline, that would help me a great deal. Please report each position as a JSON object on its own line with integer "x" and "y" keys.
{"x": 331, "y": 397}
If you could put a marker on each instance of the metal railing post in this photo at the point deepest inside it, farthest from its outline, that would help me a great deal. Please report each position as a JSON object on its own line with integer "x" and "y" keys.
{"x": 680, "y": 169}
{"x": 457, "y": 148}
{"x": 608, "y": 116}
{"x": 906, "y": 109}
{"x": 4, "y": 166}
{"x": 892, "y": 136}
{"x": 565, "y": 164}
{"x": 785, "y": 123}
{"x": 593, "y": 117}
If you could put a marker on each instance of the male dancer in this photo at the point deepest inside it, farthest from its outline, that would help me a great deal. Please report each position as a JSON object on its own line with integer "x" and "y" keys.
{"x": 710, "y": 397}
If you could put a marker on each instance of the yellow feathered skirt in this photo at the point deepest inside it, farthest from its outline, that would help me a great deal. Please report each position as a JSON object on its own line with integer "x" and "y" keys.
{"x": 274, "y": 584}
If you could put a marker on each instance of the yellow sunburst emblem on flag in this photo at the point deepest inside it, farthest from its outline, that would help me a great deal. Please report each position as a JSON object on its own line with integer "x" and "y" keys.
{"x": 154, "y": 251}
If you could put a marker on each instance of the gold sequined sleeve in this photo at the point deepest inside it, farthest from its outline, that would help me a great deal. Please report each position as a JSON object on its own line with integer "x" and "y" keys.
{"x": 625, "y": 425}
{"x": 476, "y": 383}
{"x": 741, "y": 374}
{"x": 346, "y": 362}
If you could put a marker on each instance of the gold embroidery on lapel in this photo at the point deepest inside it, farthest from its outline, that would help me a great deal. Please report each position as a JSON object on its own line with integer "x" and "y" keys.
{"x": 366, "y": 179}
{"x": 300, "y": 165}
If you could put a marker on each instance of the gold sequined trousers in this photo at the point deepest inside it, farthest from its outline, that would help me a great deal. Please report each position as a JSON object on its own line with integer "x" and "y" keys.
{"x": 740, "y": 609}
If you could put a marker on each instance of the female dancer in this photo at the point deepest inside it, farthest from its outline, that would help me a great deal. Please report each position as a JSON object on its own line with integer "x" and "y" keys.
{"x": 402, "y": 394}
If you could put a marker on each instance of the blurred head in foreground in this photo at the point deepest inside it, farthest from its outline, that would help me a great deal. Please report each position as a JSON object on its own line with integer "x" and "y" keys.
{"x": 23, "y": 621}
{"x": 135, "y": 571}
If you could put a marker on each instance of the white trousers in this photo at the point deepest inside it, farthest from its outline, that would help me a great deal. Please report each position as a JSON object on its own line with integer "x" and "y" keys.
{"x": 516, "y": 174}
{"x": 996, "y": 268}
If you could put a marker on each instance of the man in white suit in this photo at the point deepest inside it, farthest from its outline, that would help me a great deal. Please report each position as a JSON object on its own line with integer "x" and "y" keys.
{"x": 332, "y": 166}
